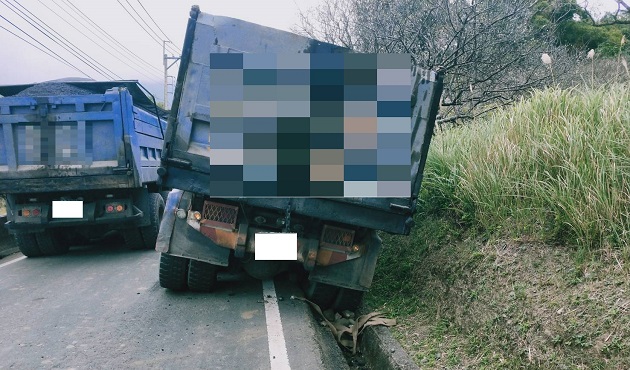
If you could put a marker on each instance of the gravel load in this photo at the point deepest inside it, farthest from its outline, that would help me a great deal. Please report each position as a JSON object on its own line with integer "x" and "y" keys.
{"x": 53, "y": 89}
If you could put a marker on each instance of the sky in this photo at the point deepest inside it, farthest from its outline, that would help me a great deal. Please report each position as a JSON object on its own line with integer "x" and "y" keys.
{"x": 135, "y": 54}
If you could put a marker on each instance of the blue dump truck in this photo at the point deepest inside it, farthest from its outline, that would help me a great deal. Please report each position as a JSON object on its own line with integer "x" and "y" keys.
{"x": 79, "y": 159}
{"x": 205, "y": 229}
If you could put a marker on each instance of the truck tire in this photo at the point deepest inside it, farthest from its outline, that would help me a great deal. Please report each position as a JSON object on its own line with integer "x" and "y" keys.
{"x": 27, "y": 245}
{"x": 133, "y": 238}
{"x": 156, "y": 209}
{"x": 164, "y": 194}
{"x": 49, "y": 244}
{"x": 173, "y": 272}
{"x": 321, "y": 294}
{"x": 348, "y": 299}
{"x": 202, "y": 276}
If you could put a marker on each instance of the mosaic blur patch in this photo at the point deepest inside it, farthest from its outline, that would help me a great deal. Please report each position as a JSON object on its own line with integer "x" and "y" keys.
{"x": 310, "y": 125}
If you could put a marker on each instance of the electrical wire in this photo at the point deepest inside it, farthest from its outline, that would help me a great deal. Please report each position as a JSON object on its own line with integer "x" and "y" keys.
{"x": 96, "y": 66}
{"x": 158, "y": 26}
{"x": 56, "y": 56}
{"x": 109, "y": 36}
{"x": 153, "y": 36}
{"x": 93, "y": 41}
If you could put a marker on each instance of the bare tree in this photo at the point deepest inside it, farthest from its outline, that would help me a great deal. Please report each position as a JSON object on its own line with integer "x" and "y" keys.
{"x": 488, "y": 48}
{"x": 619, "y": 16}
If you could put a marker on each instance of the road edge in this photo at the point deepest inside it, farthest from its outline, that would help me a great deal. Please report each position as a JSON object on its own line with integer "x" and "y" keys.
{"x": 382, "y": 351}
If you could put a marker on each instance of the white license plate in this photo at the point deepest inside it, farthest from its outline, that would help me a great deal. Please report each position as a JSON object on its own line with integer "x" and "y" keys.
{"x": 275, "y": 246}
{"x": 67, "y": 209}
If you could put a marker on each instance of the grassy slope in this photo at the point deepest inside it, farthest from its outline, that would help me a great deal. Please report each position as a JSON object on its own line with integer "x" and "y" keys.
{"x": 520, "y": 257}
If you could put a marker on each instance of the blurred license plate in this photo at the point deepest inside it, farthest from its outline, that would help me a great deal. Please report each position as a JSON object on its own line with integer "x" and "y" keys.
{"x": 276, "y": 246}
{"x": 67, "y": 209}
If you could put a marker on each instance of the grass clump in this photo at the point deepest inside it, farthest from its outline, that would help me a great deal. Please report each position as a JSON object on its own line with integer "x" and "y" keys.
{"x": 494, "y": 273}
{"x": 555, "y": 166}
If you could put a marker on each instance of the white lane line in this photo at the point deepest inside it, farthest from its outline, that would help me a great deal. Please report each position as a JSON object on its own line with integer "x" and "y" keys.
{"x": 278, "y": 356}
{"x": 12, "y": 261}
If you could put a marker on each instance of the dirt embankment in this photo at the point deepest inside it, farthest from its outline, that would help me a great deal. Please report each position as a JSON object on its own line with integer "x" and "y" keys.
{"x": 465, "y": 303}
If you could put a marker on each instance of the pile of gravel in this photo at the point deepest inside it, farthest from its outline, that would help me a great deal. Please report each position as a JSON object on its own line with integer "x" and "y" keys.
{"x": 53, "y": 89}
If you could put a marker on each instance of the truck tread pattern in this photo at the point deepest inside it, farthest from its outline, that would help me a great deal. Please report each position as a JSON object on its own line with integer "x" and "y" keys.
{"x": 173, "y": 272}
{"x": 133, "y": 239}
{"x": 49, "y": 244}
{"x": 202, "y": 276}
{"x": 150, "y": 233}
{"x": 348, "y": 299}
{"x": 27, "y": 244}
{"x": 321, "y": 294}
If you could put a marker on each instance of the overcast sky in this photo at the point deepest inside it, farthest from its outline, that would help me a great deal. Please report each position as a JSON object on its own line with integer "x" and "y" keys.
{"x": 23, "y": 63}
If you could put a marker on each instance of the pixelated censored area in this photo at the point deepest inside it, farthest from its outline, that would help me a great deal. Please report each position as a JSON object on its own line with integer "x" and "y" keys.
{"x": 310, "y": 125}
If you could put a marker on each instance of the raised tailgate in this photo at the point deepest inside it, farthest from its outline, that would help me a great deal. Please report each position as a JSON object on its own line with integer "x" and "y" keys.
{"x": 60, "y": 137}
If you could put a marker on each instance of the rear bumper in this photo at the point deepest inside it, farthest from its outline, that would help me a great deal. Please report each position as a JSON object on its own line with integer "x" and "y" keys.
{"x": 187, "y": 238}
{"x": 130, "y": 218}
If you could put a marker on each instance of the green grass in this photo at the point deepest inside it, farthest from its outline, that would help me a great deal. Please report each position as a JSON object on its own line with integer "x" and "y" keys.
{"x": 555, "y": 166}
{"x": 520, "y": 254}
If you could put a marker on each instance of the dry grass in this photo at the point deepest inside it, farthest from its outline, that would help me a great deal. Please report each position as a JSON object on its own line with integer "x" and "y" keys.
{"x": 469, "y": 303}
{"x": 520, "y": 257}
{"x": 3, "y": 209}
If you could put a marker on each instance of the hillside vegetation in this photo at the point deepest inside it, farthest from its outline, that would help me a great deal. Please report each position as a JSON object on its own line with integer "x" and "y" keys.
{"x": 520, "y": 257}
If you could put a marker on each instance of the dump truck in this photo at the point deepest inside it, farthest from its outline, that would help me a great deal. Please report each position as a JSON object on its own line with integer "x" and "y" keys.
{"x": 207, "y": 229}
{"x": 78, "y": 159}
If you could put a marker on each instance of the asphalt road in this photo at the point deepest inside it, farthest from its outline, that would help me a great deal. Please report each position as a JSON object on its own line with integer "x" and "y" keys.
{"x": 101, "y": 307}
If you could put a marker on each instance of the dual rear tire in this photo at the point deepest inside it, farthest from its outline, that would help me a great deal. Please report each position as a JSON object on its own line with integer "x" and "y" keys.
{"x": 45, "y": 243}
{"x": 145, "y": 237}
{"x": 331, "y": 297}
{"x": 180, "y": 274}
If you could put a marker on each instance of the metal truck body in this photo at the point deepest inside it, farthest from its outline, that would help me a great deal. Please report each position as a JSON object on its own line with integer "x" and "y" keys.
{"x": 337, "y": 242}
{"x": 101, "y": 148}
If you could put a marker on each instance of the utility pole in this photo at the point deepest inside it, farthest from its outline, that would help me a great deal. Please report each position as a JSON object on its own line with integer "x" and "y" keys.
{"x": 166, "y": 67}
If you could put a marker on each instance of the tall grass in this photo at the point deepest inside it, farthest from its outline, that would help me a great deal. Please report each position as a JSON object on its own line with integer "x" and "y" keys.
{"x": 556, "y": 166}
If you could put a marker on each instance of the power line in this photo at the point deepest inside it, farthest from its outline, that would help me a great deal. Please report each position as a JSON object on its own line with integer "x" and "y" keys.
{"x": 91, "y": 39}
{"x": 106, "y": 34}
{"x": 158, "y": 26}
{"x": 104, "y": 71}
{"x": 59, "y": 36}
{"x": 59, "y": 57}
{"x": 157, "y": 40}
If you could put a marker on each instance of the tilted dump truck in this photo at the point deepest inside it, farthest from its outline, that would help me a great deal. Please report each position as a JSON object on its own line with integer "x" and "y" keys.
{"x": 204, "y": 230}
{"x": 79, "y": 159}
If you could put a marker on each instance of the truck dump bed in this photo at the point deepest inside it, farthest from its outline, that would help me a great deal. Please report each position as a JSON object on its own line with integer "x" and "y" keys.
{"x": 107, "y": 137}
{"x": 186, "y": 158}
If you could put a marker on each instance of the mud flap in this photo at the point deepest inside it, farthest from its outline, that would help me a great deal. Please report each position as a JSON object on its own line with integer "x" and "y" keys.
{"x": 163, "y": 241}
{"x": 355, "y": 274}
{"x": 177, "y": 238}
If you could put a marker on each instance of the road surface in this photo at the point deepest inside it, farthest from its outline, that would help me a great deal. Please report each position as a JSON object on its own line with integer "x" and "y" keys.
{"x": 101, "y": 307}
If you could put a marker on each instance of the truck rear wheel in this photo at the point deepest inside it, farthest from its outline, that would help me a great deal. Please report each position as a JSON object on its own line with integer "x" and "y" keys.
{"x": 321, "y": 294}
{"x": 27, "y": 245}
{"x": 49, "y": 244}
{"x": 173, "y": 272}
{"x": 202, "y": 276}
{"x": 133, "y": 238}
{"x": 156, "y": 209}
{"x": 348, "y": 299}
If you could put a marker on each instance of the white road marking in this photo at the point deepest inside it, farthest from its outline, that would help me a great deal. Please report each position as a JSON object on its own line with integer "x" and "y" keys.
{"x": 278, "y": 357}
{"x": 12, "y": 261}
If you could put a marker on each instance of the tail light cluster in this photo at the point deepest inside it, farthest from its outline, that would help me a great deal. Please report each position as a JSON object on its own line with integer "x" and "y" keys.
{"x": 114, "y": 207}
{"x": 30, "y": 212}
